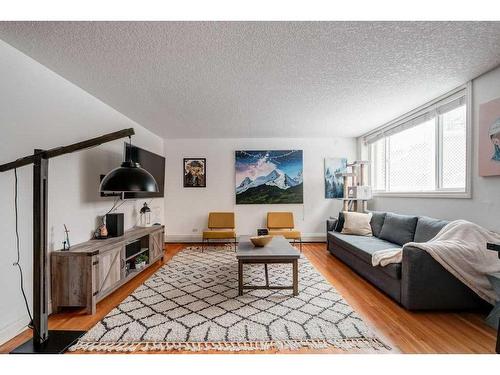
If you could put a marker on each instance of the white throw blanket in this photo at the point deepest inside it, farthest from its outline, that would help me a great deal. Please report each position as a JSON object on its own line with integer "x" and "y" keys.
{"x": 460, "y": 247}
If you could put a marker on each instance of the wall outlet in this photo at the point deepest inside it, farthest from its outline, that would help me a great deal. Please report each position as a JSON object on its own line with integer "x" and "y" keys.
{"x": 195, "y": 230}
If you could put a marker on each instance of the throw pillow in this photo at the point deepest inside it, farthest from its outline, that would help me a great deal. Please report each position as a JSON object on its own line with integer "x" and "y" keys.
{"x": 398, "y": 229}
{"x": 340, "y": 222}
{"x": 377, "y": 222}
{"x": 357, "y": 223}
{"x": 427, "y": 228}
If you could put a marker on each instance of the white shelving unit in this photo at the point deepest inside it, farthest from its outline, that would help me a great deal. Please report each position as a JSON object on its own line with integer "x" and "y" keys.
{"x": 357, "y": 192}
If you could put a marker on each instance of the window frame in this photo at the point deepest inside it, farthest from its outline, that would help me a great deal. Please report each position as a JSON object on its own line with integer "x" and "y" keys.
{"x": 439, "y": 192}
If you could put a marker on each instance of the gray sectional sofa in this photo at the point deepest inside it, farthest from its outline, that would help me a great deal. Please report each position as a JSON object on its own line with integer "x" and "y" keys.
{"x": 419, "y": 282}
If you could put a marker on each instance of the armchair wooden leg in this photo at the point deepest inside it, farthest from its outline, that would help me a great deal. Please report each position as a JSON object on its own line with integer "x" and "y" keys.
{"x": 300, "y": 244}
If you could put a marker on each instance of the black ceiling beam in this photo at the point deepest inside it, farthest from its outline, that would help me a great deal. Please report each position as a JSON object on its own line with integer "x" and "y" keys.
{"x": 58, "y": 151}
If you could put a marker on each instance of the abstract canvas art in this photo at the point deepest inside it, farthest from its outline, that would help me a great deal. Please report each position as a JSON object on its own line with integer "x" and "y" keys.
{"x": 334, "y": 186}
{"x": 489, "y": 138}
{"x": 264, "y": 177}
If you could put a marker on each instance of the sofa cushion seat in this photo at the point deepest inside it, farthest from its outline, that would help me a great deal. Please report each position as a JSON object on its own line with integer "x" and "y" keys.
{"x": 219, "y": 234}
{"x": 363, "y": 248}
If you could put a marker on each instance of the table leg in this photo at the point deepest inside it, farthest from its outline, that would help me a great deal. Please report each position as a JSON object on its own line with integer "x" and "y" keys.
{"x": 267, "y": 274}
{"x": 295, "y": 277}
{"x": 240, "y": 278}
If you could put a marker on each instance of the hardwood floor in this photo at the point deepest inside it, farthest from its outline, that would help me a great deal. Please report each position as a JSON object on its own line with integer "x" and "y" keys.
{"x": 406, "y": 332}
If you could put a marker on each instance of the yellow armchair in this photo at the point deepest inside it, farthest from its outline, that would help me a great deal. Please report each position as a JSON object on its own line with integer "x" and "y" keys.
{"x": 282, "y": 224}
{"x": 221, "y": 225}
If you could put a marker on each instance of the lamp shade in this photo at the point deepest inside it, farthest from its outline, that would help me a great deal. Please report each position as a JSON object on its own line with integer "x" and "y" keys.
{"x": 129, "y": 177}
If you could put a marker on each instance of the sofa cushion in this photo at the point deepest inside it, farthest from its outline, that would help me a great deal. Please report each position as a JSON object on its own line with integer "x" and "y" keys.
{"x": 373, "y": 274}
{"x": 399, "y": 229}
{"x": 362, "y": 247}
{"x": 376, "y": 222}
{"x": 219, "y": 234}
{"x": 427, "y": 228}
{"x": 357, "y": 223}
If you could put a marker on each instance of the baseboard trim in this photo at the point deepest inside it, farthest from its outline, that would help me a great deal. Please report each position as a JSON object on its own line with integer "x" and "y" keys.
{"x": 190, "y": 238}
{"x": 12, "y": 330}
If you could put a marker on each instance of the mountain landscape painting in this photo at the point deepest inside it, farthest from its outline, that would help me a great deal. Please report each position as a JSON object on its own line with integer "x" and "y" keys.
{"x": 267, "y": 177}
{"x": 334, "y": 186}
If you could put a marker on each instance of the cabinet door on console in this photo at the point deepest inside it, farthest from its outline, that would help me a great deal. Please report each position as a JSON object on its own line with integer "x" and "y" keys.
{"x": 110, "y": 269}
{"x": 156, "y": 245}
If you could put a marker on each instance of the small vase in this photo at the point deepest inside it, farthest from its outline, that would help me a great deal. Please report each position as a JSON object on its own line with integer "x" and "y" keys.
{"x": 103, "y": 231}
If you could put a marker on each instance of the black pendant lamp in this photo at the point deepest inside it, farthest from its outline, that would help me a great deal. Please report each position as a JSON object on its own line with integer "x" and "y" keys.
{"x": 129, "y": 177}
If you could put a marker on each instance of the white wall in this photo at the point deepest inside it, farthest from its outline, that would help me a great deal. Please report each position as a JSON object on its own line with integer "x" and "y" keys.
{"x": 39, "y": 109}
{"x": 187, "y": 208}
{"x": 484, "y": 207}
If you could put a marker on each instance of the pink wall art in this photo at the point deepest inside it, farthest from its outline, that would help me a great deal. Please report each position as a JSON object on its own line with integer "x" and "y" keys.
{"x": 489, "y": 138}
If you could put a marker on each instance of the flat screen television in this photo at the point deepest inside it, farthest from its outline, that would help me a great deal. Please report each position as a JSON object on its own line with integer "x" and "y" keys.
{"x": 153, "y": 163}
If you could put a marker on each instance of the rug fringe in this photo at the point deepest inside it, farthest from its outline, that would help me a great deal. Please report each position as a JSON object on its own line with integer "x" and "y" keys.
{"x": 343, "y": 344}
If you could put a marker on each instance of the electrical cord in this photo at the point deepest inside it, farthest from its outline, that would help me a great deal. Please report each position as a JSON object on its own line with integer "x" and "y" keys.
{"x": 113, "y": 208}
{"x": 18, "y": 260}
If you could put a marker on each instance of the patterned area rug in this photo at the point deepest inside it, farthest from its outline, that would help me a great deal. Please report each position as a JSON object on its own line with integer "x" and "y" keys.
{"x": 192, "y": 303}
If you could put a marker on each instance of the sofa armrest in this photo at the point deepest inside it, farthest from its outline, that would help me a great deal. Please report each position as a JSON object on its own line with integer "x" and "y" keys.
{"x": 330, "y": 224}
{"x": 426, "y": 285}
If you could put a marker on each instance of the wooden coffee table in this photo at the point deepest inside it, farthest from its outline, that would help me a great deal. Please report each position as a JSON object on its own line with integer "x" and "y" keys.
{"x": 278, "y": 250}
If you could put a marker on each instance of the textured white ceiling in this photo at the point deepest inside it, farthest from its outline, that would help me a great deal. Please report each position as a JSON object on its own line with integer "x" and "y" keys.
{"x": 261, "y": 79}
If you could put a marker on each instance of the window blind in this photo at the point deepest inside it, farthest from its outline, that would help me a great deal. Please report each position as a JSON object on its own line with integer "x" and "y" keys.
{"x": 417, "y": 117}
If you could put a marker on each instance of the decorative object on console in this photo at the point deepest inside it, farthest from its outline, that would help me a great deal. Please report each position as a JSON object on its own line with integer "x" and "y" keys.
{"x": 334, "y": 184}
{"x": 262, "y": 232}
{"x": 261, "y": 241}
{"x": 358, "y": 192}
{"x": 195, "y": 172}
{"x": 141, "y": 261}
{"x": 101, "y": 233}
{"x": 129, "y": 177}
{"x": 115, "y": 224}
{"x": 489, "y": 138}
{"x": 45, "y": 341}
{"x": 145, "y": 216}
{"x": 268, "y": 177}
{"x": 66, "y": 243}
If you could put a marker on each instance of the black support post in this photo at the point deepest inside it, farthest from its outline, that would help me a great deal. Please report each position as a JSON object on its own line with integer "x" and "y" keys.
{"x": 40, "y": 205}
{"x": 45, "y": 341}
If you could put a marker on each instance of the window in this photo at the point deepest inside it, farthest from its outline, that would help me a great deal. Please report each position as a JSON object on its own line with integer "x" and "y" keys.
{"x": 424, "y": 152}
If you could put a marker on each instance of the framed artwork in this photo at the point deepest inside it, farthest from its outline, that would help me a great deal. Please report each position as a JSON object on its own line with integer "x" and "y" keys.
{"x": 195, "y": 172}
{"x": 334, "y": 186}
{"x": 489, "y": 138}
{"x": 269, "y": 177}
